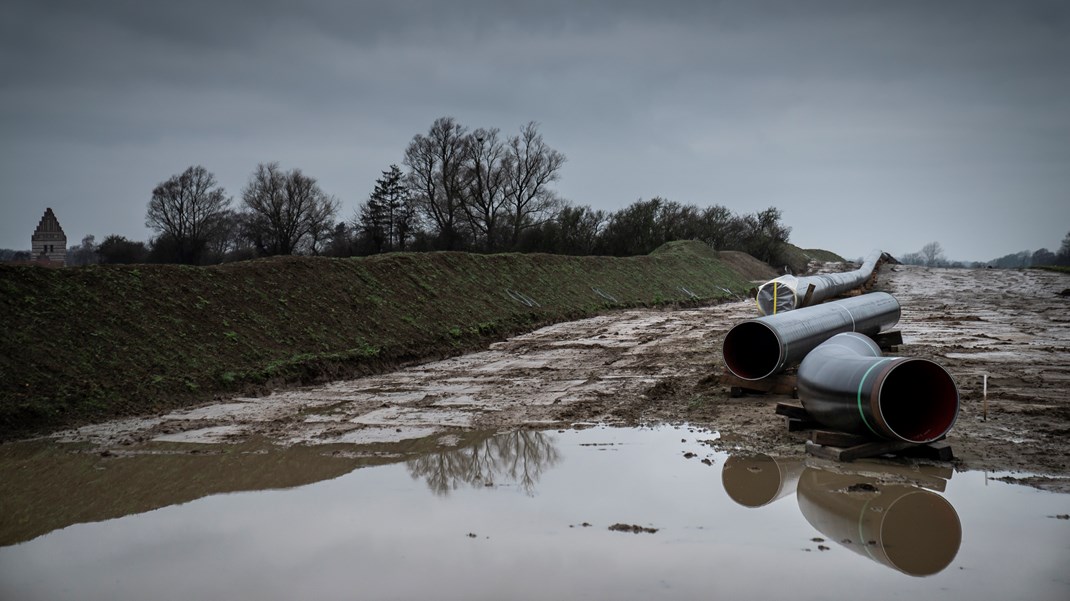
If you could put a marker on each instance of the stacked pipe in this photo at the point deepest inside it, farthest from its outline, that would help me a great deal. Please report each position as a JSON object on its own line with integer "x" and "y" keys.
{"x": 844, "y": 382}
{"x": 758, "y": 348}
{"x": 783, "y": 293}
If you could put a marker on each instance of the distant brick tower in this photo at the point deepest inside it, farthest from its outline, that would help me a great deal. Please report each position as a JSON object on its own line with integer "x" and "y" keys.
{"x": 48, "y": 240}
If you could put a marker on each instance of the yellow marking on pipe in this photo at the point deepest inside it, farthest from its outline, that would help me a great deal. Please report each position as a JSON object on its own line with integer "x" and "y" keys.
{"x": 774, "y": 297}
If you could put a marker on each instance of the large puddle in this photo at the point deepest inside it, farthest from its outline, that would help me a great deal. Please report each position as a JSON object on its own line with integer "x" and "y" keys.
{"x": 599, "y": 513}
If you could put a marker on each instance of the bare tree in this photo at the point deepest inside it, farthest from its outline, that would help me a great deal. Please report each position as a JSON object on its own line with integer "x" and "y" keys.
{"x": 85, "y": 253}
{"x": 287, "y": 212}
{"x": 914, "y": 258}
{"x": 185, "y": 209}
{"x": 578, "y": 229}
{"x": 436, "y": 178}
{"x": 769, "y": 237}
{"x": 486, "y": 177}
{"x": 634, "y": 229}
{"x": 531, "y": 166}
{"x": 933, "y": 253}
{"x": 717, "y": 225}
{"x": 1043, "y": 256}
{"x": 117, "y": 249}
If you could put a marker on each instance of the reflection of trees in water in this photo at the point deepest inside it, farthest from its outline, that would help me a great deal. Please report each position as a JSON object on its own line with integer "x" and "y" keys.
{"x": 518, "y": 456}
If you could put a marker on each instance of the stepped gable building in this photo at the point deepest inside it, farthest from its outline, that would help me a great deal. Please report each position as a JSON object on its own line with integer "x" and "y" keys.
{"x": 49, "y": 241}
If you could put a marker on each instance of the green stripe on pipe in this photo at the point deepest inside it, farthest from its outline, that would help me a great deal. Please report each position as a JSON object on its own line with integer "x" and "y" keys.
{"x": 862, "y": 383}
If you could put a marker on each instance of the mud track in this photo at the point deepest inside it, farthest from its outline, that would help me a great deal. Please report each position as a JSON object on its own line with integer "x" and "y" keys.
{"x": 649, "y": 366}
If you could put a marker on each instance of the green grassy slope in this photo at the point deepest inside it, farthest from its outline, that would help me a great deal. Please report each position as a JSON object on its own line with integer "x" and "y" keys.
{"x": 799, "y": 258}
{"x": 84, "y": 344}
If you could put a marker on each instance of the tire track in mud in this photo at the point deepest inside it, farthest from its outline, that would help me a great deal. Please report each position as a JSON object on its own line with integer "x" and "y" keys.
{"x": 597, "y": 370}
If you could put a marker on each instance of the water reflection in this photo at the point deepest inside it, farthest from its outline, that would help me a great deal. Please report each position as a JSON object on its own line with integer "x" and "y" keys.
{"x": 518, "y": 456}
{"x": 884, "y": 512}
{"x": 757, "y": 480}
{"x": 45, "y": 486}
{"x": 366, "y": 533}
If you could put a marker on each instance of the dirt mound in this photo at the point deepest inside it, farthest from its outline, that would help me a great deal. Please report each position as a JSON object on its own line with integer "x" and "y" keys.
{"x": 84, "y": 344}
{"x": 747, "y": 266}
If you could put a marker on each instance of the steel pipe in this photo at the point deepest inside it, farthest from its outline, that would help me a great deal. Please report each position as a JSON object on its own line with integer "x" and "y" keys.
{"x": 787, "y": 293}
{"x": 760, "y": 347}
{"x": 845, "y": 384}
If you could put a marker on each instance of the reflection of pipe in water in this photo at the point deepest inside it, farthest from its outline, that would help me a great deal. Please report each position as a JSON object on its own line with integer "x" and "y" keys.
{"x": 760, "y": 347}
{"x": 788, "y": 292}
{"x": 757, "y": 480}
{"x": 907, "y": 528}
{"x": 845, "y": 384}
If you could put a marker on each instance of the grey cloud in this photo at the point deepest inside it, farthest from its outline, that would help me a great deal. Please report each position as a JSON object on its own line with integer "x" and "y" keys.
{"x": 749, "y": 104}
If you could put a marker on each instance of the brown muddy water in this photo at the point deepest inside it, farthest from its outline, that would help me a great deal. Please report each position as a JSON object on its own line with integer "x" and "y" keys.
{"x": 596, "y": 513}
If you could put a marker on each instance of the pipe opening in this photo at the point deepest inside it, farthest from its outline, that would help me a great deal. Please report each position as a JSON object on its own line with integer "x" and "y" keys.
{"x": 919, "y": 400}
{"x": 751, "y": 350}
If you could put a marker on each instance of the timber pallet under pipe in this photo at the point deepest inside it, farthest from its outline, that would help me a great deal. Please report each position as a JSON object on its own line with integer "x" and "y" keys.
{"x": 840, "y": 446}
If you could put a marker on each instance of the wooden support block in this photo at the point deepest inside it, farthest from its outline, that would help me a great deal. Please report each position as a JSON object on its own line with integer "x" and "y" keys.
{"x": 888, "y": 340}
{"x": 799, "y": 425}
{"x": 798, "y": 418}
{"x": 938, "y": 451}
{"x": 780, "y": 384}
{"x": 822, "y": 452}
{"x": 868, "y": 449}
{"x": 837, "y": 439}
{"x": 792, "y": 411}
{"x": 808, "y": 296}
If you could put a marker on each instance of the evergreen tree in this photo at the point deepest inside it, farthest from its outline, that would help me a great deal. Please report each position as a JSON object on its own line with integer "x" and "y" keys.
{"x": 1063, "y": 256}
{"x": 387, "y": 218}
{"x": 373, "y": 224}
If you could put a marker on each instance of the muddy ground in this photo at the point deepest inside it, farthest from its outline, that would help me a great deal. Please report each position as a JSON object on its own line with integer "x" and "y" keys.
{"x": 641, "y": 367}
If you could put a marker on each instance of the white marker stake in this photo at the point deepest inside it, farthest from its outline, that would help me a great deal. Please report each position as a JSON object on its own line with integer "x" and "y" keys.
{"x": 984, "y": 400}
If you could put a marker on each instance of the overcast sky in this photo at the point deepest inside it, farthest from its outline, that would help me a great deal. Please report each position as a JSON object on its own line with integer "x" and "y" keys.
{"x": 869, "y": 124}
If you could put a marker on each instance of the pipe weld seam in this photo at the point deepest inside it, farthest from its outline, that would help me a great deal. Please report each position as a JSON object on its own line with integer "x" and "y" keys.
{"x": 861, "y": 384}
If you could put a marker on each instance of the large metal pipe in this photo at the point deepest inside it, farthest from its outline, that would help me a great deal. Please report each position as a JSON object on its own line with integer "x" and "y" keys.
{"x": 787, "y": 293}
{"x": 760, "y": 347}
{"x": 845, "y": 384}
{"x": 904, "y": 527}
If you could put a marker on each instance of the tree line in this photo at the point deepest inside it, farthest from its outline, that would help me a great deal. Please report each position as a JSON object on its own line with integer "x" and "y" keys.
{"x": 932, "y": 255}
{"x": 456, "y": 189}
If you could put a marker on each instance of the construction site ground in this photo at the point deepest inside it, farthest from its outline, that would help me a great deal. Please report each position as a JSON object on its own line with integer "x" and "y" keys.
{"x": 647, "y": 366}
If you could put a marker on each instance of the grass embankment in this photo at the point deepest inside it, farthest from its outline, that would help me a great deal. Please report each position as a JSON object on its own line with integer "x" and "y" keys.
{"x": 90, "y": 343}
{"x": 1055, "y": 268}
{"x": 799, "y": 258}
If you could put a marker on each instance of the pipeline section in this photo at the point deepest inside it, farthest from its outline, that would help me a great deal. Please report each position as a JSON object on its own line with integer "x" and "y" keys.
{"x": 763, "y": 346}
{"x": 845, "y": 384}
{"x": 787, "y": 293}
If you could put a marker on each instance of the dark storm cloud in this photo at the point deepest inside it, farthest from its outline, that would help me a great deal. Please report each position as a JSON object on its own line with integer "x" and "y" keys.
{"x": 817, "y": 107}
